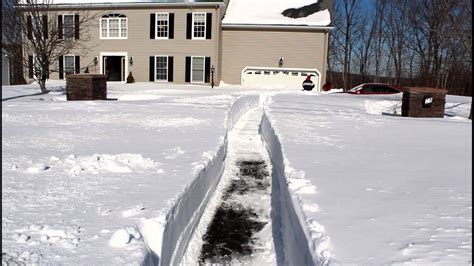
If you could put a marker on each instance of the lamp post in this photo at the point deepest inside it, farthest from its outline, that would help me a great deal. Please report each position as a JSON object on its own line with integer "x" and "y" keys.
{"x": 280, "y": 62}
{"x": 212, "y": 76}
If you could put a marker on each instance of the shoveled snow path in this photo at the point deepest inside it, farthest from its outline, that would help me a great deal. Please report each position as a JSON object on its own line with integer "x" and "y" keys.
{"x": 244, "y": 143}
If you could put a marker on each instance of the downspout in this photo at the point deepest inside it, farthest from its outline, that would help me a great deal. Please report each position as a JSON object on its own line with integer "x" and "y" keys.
{"x": 326, "y": 40}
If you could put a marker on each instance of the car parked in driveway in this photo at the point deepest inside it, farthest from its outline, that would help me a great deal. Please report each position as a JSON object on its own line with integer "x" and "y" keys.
{"x": 375, "y": 88}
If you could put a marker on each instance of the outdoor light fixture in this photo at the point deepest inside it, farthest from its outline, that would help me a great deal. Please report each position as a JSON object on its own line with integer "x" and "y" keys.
{"x": 280, "y": 62}
{"x": 96, "y": 60}
{"x": 213, "y": 69}
{"x": 131, "y": 60}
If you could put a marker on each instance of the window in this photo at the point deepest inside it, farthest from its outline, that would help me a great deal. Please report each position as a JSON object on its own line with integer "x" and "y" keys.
{"x": 113, "y": 26}
{"x": 197, "y": 69}
{"x": 369, "y": 89}
{"x": 387, "y": 89}
{"x": 37, "y": 26}
{"x": 162, "y": 25}
{"x": 68, "y": 26}
{"x": 69, "y": 64}
{"x": 199, "y": 25}
{"x": 161, "y": 68}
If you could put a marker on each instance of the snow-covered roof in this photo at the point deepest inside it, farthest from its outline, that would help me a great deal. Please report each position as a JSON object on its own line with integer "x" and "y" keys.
{"x": 269, "y": 12}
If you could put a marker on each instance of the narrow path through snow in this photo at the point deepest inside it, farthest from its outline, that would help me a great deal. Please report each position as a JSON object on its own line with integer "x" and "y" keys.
{"x": 236, "y": 226}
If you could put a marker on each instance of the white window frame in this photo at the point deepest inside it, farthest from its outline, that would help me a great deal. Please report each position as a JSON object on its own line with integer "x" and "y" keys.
{"x": 108, "y": 28}
{"x": 205, "y": 26}
{"x": 73, "y": 26}
{"x": 167, "y": 68}
{"x": 64, "y": 64}
{"x": 203, "y": 69}
{"x": 125, "y": 54}
{"x": 167, "y": 26}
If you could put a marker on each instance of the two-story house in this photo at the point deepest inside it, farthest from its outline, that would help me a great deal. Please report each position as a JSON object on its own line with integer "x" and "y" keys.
{"x": 248, "y": 42}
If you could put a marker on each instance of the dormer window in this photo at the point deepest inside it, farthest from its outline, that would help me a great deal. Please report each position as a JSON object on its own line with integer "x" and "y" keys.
{"x": 113, "y": 26}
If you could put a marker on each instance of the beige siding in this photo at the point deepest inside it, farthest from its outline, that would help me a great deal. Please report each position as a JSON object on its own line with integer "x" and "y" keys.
{"x": 230, "y": 50}
{"x": 141, "y": 47}
{"x": 263, "y": 48}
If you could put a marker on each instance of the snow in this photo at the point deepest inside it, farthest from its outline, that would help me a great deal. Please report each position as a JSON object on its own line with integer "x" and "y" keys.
{"x": 244, "y": 145}
{"x": 130, "y": 180}
{"x": 266, "y": 12}
{"x": 388, "y": 190}
{"x": 105, "y": 159}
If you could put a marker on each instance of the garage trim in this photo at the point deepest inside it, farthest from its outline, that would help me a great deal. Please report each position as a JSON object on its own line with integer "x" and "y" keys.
{"x": 249, "y": 72}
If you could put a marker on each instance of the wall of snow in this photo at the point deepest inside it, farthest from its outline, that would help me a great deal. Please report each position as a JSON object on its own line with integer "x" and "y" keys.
{"x": 184, "y": 216}
{"x": 240, "y": 106}
{"x": 298, "y": 245}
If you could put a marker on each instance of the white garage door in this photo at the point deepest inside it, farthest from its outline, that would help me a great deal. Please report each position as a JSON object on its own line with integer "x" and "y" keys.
{"x": 279, "y": 77}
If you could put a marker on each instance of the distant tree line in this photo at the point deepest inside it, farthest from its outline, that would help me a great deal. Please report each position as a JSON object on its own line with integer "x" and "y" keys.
{"x": 404, "y": 42}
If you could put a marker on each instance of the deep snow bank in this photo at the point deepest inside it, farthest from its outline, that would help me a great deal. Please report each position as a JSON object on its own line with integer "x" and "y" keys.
{"x": 184, "y": 216}
{"x": 303, "y": 241}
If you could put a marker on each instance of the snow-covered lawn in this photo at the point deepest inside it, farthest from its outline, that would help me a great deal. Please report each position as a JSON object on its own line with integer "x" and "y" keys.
{"x": 107, "y": 182}
{"x": 378, "y": 189}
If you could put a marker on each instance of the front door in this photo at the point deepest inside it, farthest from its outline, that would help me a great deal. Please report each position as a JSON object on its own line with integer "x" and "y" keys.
{"x": 114, "y": 68}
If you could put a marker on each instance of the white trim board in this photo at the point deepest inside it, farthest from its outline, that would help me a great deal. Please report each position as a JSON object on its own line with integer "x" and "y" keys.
{"x": 102, "y": 54}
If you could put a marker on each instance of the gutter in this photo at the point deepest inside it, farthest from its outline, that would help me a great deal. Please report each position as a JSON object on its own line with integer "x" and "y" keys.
{"x": 125, "y": 5}
{"x": 276, "y": 26}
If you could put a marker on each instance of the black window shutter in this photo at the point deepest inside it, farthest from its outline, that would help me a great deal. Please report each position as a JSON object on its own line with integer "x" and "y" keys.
{"x": 187, "y": 77}
{"x": 207, "y": 70}
{"x": 60, "y": 26}
{"x": 77, "y": 62}
{"x": 208, "y": 25}
{"x": 61, "y": 68}
{"x": 152, "y": 68}
{"x": 152, "y": 26}
{"x": 171, "y": 26}
{"x": 170, "y": 68}
{"x": 189, "y": 22}
{"x": 45, "y": 26}
{"x": 30, "y": 66}
{"x": 76, "y": 26}
{"x": 29, "y": 26}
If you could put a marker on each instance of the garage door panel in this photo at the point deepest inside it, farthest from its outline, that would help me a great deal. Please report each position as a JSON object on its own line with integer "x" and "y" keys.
{"x": 278, "y": 77}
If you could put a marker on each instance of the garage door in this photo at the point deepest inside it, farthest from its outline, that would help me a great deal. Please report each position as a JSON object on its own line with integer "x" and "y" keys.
{"x": 279, "y": 77}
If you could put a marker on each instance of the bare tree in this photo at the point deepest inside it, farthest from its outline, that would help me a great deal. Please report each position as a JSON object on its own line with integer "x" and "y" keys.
{"x": 45, "y": 36}
{"x": 378, "y": 29}
{"x": 349, "y": 13}
{"x": 413, "y": 42}
{"x": 363, "y": 49}
{"x": 459, "y": 13}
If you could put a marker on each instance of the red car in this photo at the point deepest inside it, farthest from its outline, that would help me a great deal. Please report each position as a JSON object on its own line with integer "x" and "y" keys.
{"x": 375, "y": 88}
